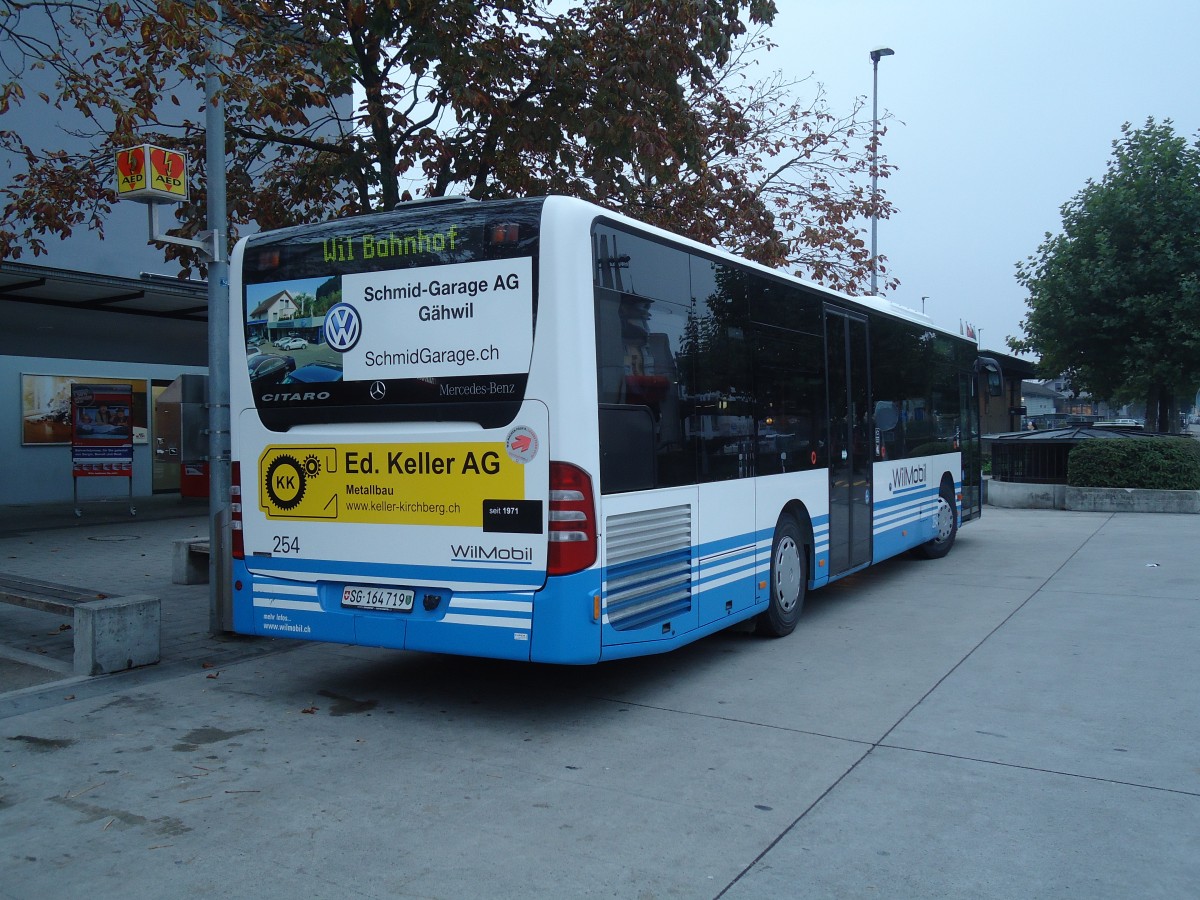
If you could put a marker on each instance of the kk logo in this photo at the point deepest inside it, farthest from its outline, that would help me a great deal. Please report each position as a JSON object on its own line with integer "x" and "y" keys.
{"x": 293, "y": 482}
{"x": 342, "y": 327}
{"x": 285, "y": 482}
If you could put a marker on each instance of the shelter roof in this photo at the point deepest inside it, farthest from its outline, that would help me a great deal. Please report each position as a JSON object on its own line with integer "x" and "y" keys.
{"x": 151, "y": 295}
{"x": 1072, "y": 434}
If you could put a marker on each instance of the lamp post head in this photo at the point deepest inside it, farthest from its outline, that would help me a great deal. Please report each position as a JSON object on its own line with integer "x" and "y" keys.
{"x": 879, "y": 52}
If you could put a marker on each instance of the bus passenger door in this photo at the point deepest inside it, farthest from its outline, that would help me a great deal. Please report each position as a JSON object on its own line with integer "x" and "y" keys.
{"x": 972, "y": 493}
{"x": 850, "y": 439}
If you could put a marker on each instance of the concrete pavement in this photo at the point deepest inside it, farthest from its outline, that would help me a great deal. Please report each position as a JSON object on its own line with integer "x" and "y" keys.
{"x": 1016, "y": 720}
{"x": 108, "y": 550}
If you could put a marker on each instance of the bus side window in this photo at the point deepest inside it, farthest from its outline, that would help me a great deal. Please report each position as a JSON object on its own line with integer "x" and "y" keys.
{"x": 610, "y": 348}
{"x": 639, "y": 376}
{"x": 627, "y": 448}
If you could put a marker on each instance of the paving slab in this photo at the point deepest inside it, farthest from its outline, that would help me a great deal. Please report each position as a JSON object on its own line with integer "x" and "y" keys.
{"x": 1101, "y": 685}
{"x": 917, "y": 825}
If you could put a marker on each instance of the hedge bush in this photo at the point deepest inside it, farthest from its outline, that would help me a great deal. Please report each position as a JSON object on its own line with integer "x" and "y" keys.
{"x": 932, "y": 448}
{"x": 1165, "y": 464}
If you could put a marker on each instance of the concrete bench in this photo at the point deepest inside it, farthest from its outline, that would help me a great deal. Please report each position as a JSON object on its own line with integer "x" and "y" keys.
{"x": 189, "y": 562}
{"x": 111, "y": 633}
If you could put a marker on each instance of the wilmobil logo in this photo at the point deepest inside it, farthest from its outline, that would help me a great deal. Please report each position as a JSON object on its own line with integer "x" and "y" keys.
{"x": 908, "y": 477}
{"x": 477, "y": 553}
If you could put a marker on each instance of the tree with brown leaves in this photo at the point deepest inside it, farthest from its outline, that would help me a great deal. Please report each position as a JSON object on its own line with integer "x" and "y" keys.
{"x": 337, "y": 107}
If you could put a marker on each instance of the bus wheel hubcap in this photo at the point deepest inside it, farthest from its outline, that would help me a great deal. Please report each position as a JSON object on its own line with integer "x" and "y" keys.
{"x": 787, "y": 574}
{"x": 945, "y": 520}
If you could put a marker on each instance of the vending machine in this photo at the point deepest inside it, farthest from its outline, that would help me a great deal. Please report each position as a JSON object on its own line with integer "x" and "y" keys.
{"x": 181, "y": 434}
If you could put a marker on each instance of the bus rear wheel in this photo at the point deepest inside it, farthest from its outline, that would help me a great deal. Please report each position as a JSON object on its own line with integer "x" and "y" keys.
{"x": 945, "y": 527}
{"x": 788, "y": 581}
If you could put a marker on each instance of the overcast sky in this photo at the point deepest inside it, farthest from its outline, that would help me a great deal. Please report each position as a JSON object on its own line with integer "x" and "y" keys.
{"x": 1004, "y": 110}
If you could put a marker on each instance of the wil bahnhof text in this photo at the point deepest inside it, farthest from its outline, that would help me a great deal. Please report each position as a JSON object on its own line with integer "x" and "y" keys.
{"x": 379, "y": 246}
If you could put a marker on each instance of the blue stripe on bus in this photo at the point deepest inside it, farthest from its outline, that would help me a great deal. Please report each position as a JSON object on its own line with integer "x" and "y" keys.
{"x": 909, "y": 497}
{"x": 710, "y": 574}
{"x": 325, "y": 569}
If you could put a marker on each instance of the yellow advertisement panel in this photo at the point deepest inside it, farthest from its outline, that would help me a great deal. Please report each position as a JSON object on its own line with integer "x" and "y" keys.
{"x": 405, "y": 484}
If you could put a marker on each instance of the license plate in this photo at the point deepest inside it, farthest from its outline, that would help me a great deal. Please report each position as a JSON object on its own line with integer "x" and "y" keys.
{"x": 363, "y": 597}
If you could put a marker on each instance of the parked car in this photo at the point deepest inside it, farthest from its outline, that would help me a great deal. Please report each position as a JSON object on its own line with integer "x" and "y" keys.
{"x": 293, "y": 343}
{"x": 257, "y": 341}
{"x": 314, "y": 373}
{"x": 269, "y": 369}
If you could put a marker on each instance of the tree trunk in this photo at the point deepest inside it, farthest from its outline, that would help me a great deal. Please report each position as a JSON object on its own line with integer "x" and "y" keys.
{"x": 1172, "y": 413}
{"x": 1152, "y": 393}
{"x": 1162, "y": 410}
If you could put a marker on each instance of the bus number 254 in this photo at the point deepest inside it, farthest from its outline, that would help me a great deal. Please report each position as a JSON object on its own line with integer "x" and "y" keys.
{"x": 287, "y": 544}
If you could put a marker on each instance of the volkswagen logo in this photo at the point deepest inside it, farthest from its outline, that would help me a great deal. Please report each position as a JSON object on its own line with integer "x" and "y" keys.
{"x": 378, "y": 390}
{"x": 343, "y": 327}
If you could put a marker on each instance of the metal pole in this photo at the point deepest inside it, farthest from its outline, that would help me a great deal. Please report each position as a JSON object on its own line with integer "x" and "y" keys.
{"x": 220, "y": 617}
{"x": 874, "y": 174}
{"x": 876, "y": 55}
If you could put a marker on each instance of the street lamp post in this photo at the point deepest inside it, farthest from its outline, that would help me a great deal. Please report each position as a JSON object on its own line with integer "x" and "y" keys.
{"x": 876, "y": 55}
{"x": 220, "y": 613}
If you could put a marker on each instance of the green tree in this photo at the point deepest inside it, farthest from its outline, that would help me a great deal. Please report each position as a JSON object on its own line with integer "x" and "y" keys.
{"x": 336, "y": 107}
{"x": 1114, "y": 300}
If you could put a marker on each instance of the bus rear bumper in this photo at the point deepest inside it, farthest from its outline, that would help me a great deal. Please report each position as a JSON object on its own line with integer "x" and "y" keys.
{"x": 499, "y": 625}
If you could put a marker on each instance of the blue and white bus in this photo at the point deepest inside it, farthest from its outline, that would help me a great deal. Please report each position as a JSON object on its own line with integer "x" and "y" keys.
{"x": 538, "y": 430}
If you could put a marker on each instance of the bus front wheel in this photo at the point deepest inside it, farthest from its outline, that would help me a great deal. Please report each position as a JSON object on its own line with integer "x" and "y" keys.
{"x": 788, "y": 581}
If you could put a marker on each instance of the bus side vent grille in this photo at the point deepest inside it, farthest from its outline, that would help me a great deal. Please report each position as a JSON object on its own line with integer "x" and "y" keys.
{"x": 648, "y": 572}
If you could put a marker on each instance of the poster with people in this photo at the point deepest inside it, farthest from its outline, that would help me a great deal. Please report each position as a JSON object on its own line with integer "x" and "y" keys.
{"x": 101, "y": 430}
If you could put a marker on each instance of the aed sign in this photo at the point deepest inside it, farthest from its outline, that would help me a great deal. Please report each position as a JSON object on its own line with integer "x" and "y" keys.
{"x": 151, "y": 174}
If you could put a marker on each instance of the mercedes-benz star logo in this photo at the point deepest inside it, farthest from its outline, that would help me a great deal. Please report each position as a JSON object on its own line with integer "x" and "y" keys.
{"x": 378, "y": 390}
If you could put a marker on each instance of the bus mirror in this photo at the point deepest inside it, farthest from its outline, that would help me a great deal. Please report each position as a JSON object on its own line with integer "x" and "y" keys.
{"x": 994, "y": 376}
{"x": 995, "y": 388}
{"x": 886, "y": 415}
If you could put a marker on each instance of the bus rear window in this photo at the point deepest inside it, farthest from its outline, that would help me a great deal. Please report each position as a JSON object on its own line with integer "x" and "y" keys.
{"x": 426, "y": 313}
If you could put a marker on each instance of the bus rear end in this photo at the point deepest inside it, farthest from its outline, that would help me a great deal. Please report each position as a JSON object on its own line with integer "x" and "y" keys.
{"x": 393, "y": 473}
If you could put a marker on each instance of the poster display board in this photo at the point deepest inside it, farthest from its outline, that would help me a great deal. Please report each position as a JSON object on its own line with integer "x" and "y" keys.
{"x": 46, "y": 407}
{"x": 101, "y": 434}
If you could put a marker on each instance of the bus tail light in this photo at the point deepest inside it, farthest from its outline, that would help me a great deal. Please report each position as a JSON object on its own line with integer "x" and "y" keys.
{"x": 235, "y": 510}
{"x": 572, "y": 520}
